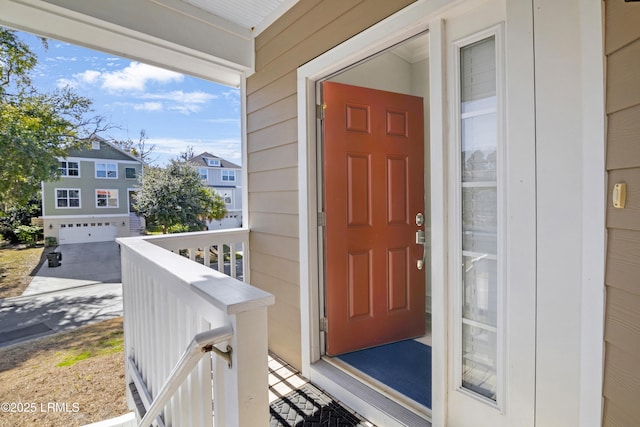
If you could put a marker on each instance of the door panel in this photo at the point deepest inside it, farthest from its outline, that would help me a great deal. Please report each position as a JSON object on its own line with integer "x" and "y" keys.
{"x": 374, "y": 187}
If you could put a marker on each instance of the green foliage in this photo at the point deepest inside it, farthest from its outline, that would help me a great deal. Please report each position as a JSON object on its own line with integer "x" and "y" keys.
{"x": 28, "y": 234}
{"x": 35, "y": 128}
{"x": 50, "y": 241}
{"x": 17, "y": 215}
{"x": 174, "y": 195}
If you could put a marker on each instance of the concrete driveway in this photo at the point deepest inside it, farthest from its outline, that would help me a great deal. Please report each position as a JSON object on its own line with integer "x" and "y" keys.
{"x": 82, "y": 264}
{"x": 85, "y": 289}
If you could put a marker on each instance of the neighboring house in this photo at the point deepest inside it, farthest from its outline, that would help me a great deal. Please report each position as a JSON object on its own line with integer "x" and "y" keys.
{"x": 92, "y": 200}
{"x": 225, "y": 178}
{"x": 531, "y": 116}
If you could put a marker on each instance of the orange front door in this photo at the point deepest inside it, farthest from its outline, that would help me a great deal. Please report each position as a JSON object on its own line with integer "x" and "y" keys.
{"x": 373, "y": 190}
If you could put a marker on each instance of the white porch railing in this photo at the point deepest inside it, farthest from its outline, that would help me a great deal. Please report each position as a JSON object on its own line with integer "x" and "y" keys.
{"x": 168, "y": 300}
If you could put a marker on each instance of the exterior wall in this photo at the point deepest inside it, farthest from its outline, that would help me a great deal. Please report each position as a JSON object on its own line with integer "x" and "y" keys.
{"x": 214, "y": 177}
{"x": 88, "y": 213}
{"x": 307, "y": 30}
{"x": 622, "y": 319}
{"x": 88, "y": 183}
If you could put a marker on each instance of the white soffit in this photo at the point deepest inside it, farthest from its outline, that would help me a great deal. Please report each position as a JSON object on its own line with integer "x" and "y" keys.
{"x": 255, "y": 15}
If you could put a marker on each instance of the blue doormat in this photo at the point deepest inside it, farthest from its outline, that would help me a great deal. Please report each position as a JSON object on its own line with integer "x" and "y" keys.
{"x": 404, "y": 366}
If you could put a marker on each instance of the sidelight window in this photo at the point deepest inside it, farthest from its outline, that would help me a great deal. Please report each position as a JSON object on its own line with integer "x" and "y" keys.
{"x": 480, "y": 255}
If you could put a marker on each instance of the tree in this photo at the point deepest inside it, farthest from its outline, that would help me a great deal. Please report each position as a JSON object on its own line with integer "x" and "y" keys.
{"x": 138, "y": 149}
{"x": 35, "y": 128}
{"x": 174, "y": 195}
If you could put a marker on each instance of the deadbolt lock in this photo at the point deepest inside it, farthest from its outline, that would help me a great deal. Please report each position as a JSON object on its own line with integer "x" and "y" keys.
{"x": 419, "y": 219}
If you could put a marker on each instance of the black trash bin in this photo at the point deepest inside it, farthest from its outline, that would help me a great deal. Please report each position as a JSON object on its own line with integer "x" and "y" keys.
{"x": 54, "y": 259}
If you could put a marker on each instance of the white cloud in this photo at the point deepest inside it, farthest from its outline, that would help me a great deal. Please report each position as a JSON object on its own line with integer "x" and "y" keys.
{"x": 88, "y": 76}
{"x": 149, "y": 106}
{"x": 182, "y": 102}
{"x": 136, "y": 76}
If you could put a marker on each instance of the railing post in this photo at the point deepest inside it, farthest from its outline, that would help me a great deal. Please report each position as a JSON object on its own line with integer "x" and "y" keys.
{"x": 241, "y": 395}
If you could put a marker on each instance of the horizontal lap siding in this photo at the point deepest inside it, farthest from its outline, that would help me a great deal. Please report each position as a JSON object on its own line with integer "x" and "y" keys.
{"x": 622, "y": 320}
{"x": 307, "y": 30}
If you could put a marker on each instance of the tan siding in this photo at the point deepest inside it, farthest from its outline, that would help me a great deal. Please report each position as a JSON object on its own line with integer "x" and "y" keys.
{"x": 622, "y": 319}
{"x": 623, "y": 91}
{"x": 285, "y": 156}
{"x": 273, "y": 136}
{"x": 284, "y": 247}
{"x": 285, "y": 202}
{"x": 623, "y": 146}
{"x": 313, "y": 22}
{"x": 280, "y": 89}
{"x": 623, "y": 260}
{"x": 614, "y": 416}
{"x": 281, "y": 25}
{"x": 277, "y": 112}
{"x": 307, "y": 30}
{"x": 277, "y": 224}
{"x": 622, "y": 381}
{"x": 276, "y": 180}
{"x": 623, "y": 26}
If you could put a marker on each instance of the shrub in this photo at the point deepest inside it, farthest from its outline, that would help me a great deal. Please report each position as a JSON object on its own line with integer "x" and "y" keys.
{"x": 28, "y": 234}
{"x": 50, "y": 241}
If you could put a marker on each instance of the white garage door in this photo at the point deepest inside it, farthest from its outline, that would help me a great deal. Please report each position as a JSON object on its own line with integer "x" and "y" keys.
{"x": 86, "y": 232}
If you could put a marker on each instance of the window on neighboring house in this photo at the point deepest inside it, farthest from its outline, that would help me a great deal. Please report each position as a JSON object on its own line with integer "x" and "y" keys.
{"x": 67, "y": 198}
{"x": 106, "y": 170}
{"x": 213, "y": 162}
{"x": 69, "y": 168}
{"x": 228, "y": 197}
{"x": 107, "y": 198}
{"x": 130, "y": 173}
{"x": 203, "y": 174}
{"x": 229, "y": 175}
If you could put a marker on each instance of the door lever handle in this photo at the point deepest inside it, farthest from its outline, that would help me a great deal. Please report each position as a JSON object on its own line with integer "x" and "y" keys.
{"x": 421, "y": 240}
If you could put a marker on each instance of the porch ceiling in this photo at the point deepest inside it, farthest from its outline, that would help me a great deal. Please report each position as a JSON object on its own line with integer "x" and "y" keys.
{"x": 212, "y": 39}
{"x": 255, "y": 15}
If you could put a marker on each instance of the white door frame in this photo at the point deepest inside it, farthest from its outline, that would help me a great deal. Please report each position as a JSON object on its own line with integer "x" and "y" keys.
{"x": 410, "y": 21}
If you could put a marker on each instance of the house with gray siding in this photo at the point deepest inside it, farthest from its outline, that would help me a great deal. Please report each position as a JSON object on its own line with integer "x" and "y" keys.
{"x": 92, "y": 200}
{"x": 225, "y": 178}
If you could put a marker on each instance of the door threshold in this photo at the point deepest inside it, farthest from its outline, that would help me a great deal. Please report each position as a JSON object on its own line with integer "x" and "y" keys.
{"x": 378, "y": 405}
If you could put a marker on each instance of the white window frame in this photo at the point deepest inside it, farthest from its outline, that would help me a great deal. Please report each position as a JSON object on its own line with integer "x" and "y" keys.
{"x": 108, "y": 198}
{"x": 230, "y": 174}
{"x": 455, "y": 239}
{"x": 106, "y": 170}
{"x": 55, "y": 195}
{"x": 213, "y": 162}
{"x": 205, "y": 176}
{"x": 65, "y": 170}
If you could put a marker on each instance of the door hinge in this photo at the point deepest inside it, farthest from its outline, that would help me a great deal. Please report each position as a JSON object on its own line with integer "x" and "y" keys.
{"x": 320, "y": 111}
{"x": 323, "y": 324}
{"x": 322, "y": 219}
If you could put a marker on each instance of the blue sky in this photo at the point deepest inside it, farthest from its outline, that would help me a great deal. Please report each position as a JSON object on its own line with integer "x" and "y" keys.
{"x": 175, "y": 110}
